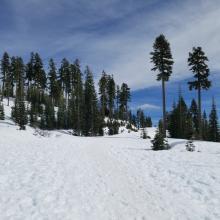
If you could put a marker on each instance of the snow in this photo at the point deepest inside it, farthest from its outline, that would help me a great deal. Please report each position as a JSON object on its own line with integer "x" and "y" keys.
{"x": 63, "y": 177}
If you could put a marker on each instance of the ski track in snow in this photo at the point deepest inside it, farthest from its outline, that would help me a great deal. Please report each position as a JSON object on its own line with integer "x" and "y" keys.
{"x": 108, "y": 178}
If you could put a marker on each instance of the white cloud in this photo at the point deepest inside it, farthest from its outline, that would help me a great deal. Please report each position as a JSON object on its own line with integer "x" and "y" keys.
{"x": 147, "y": 106}
{"x": 74, "y": 29}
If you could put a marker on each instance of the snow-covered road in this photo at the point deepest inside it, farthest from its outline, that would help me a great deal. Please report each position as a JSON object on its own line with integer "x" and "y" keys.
{"x": 107, "y": 178}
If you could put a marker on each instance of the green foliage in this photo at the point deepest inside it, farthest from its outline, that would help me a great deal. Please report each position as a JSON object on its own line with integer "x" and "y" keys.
{"x": 195, "y": 118}
{"x": 180, "y": 120}
{"x": 159, "y": 142}
{"x": 190, "y": 146}
{"x": 75, "y": 100}
{"x": 19, "y": 113}
{"x": 141, "y": 123}
{"x": 54, "y": 88}
{"x": 197, "y": 63}
{"x": 148, "y": 121}
{"x": 49, "y": 115}
{"x": 91, "y": 122}
{"x": 162, "y": 59}
{"x": 205, "y": 127}
{"x": 124, "y": 98}
{"x": 144, "y": 133}
{"x": 2, "y": 113}
{"x": 61, "y": 115}
{"x": 213, "y": 131}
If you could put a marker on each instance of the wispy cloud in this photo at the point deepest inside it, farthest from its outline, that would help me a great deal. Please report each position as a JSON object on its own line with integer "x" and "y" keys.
{"x": 148, "y": 106}
{"x": 114, "y": 35}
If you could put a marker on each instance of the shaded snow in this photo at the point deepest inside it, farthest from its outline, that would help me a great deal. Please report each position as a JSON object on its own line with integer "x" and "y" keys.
{"x": 117, "y": 178}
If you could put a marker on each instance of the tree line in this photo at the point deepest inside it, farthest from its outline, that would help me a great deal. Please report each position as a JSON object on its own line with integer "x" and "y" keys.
{"x": 193, "y": 125}
{"x": 62, "y": 98}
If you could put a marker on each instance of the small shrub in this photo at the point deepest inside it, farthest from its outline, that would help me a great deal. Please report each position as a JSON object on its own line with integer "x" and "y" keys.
{"x": 190, "y": 146}
{"x": 159, "y": 142}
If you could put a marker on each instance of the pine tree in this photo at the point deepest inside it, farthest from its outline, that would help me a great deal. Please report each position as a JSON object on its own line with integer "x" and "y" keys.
{"x": 190, "y": 146}
{"x": 2, "y": 113}
{"x": 179, "y": 120}
{"x": 125, "y": 97}
{"x": 91, "y": 121}
{"x": 111, "y": 95}
{"x": 61, "y": 114}
{"x": 77, "y": 98}
{"x": 159, "y": 142}
{"x": 138, "y": 118}
{"x": 163, "y": 62}
{"x": 54, "y": 89}
{"x": 40, "y": 79}
{"x": 29, "y": 71}
{"x": 144, "y": 133}
{"x": 33, "y": 117}
{"x": 195, "y": 117}
{"x": 148, "y": 121}
{"x": 6, "y": 76}
{"x": 197, "y": 63}
{"x": 19, "y": 112}
{"x": 64, "y": 77}
{"x": 214, "y": 134}
{"x": 205, "y": 127}
{"x": 49, "y": 115}
{"x": 117, "y": 101}
{"x": 103, "y": 84}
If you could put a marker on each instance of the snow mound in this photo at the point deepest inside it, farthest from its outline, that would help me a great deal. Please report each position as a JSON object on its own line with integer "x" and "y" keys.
{"x": 60, "y": 176}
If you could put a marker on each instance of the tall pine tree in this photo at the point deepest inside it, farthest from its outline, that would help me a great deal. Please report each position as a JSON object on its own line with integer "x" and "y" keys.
{"x": 197, "y": 63}
{"x": 163, "y": 62}
{"x": 213, "y": 124}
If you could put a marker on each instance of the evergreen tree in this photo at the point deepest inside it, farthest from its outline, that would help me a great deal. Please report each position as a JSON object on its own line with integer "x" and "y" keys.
{"x": 64, "y": 77}
{"x": 77, "y": 98}
{"x": 144, "y": 133}
{"x": 117, "y": 101}
{"x": 179, "y": 120}
{"x": 61, "y": 114}
{"x": 124, "y": 98}
{"x": 49, "y": 115}
{"x": 111, "y": 95}
{"x": 40, "y": 80}
{"x": 54, "y": 89}
{"x": 6, "y": 76}
{"x": 159, "y": 142}
{"x": 197, "y": 63}
{"x": 19, "y": 112}
{"x": 214, "y": 134}
{"x": 148, "y": 122}
{"x": 103, "y": 84}
{"x": 163, "y": 62}
{"x": 29, "y": 71}
{"x": 195, "y": 117}
{"x": 138, "y": 118}
{"x": 2, "y": 113}
{"x": 33, "y": 116}
{"x": 91, "y": 121}
{"x": 190, "y": 146}
{"x": 205, "y": 127}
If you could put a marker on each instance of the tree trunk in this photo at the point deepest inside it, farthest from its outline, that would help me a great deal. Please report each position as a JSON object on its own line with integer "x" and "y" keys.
{"x": 3, "y": 88}
{"x": 200, "y": 116}
{"x": 164, "y": 108}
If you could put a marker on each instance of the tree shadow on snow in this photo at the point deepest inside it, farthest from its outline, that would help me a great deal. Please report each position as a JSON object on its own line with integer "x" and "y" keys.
{"x": 176, "y": 143}
{"x": 139, "y": 149}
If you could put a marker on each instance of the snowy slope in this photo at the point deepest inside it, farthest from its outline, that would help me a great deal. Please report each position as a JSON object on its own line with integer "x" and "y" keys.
{"x": 108, "y": 178}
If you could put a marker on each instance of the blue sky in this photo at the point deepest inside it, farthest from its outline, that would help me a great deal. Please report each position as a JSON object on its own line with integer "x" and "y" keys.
{"x": 117, "y": 35}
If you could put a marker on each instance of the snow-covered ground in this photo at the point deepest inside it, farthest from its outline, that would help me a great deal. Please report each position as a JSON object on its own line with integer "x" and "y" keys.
{"x": 108, "y": 178}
